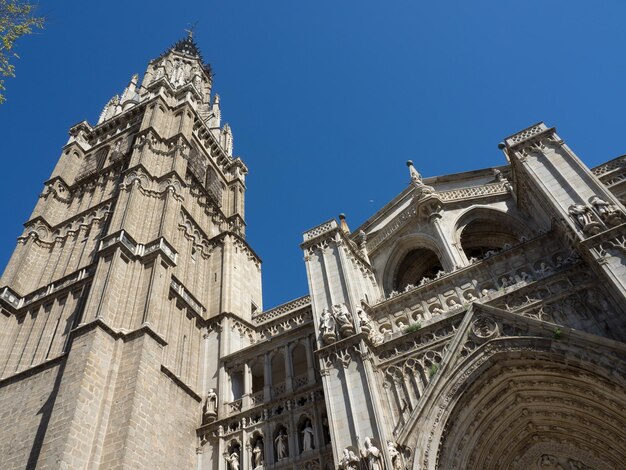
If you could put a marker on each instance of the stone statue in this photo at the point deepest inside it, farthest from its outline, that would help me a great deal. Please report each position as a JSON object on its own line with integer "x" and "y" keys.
{"x": 233, "y": 461}
{"x": 349, "y": 461}
{"x": 342, "y": 317}
{"x": 364, "y": 322}
{"x": 209, "y": 411}
{"x": 177, "y": 77}
{"x": 602, "y": 207}
{"x": 372, "y": 455}
{"x": 307, "y": 437}
{"x": 281, "y": 445}
{"x": 257, "y": 454}
{"x": 582, "y": 215}
{"x": 607, "y": 212}
{"x": 397, "y": 460}
{"x": 327, "y": 326}
{"x": 544, "y": 269}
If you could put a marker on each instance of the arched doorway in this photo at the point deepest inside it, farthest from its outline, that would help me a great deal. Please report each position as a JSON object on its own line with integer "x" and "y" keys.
{"x": 527, "y": 410}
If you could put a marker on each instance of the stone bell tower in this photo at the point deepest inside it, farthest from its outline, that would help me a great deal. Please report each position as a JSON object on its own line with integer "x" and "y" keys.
{"x": 131, "y": 277}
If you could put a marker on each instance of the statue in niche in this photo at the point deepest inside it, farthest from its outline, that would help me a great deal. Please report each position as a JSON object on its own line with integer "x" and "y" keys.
{"x": 209, "y": 411}
{"x": 177, "y": 73}
{"x": 349, "y": 461}
{"x": 470, "y": 296}
{"x": 397, "y": 459}
{"x": 342, "y": 317}
{"x": 281, "y": 445}
{"x": 327, "y": 327}
{"x": 544, "y": 269}
{"x": 257, "y": 454}
{"x": 233, "y": 461}
{"x": 372, "y": 455}
{"x": 307, "y": 436}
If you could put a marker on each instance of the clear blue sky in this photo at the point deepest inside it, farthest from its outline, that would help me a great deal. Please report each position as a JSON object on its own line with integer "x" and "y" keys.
{"x": 328, "y": 99}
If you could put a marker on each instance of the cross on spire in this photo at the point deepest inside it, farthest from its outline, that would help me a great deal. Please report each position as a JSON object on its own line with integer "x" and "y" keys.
{"x": 191, "y": 29}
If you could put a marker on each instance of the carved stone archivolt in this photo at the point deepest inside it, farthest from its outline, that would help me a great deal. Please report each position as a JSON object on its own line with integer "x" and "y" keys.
{"x": 518, "y": 403}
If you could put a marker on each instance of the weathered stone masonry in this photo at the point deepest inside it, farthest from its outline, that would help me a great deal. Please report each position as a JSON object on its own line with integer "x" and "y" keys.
{"x": 476, "y": 321}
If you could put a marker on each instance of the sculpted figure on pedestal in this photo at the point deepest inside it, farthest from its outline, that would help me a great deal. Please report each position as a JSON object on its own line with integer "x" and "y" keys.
{"x": 307, "y": 437}
{"x": 257, "y": 454}
{"x": 397, "y": 459}
{"x": 209, "y": 411}
{"x": 364, "y": 321}
{"x": 344, "y": 323}
{"x": 233, "y": 461}
{"x": 600, "y": 206}
{"x": 281, "y": 445}
{"x": 372, "y": 455}
{"x": 349, "y": 461}
{"x": 584, "y": 218}
{"x": 327, "y": 327}
{"x": 607, "y": 212}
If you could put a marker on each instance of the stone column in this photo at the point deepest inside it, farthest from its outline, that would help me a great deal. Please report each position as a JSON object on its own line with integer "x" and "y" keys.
{"x": 268, "y": 444}
{"x": 247, "y": 387}
{"x": 288, "y": 369}
{"x": 451, "y": 255}
{"x": 267, "y": 378}
{"x": 309, "y": 360}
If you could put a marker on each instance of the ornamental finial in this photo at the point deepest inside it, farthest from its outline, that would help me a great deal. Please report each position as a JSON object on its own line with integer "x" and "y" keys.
{"x": 344, "y": 224}
{"x": 416, "y": 178}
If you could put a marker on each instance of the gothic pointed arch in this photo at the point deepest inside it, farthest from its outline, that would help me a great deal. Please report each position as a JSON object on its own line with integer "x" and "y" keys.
{"x": 511, "y": 395}
{"x": 481, "y": 231}
{"x": 414, "y": 258}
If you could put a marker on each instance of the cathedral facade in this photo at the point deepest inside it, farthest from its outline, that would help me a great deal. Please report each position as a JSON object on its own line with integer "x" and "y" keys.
{"x": 477, "y": 321}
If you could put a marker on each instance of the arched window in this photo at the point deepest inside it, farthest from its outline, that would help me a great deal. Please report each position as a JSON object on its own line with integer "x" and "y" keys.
{"x": 101, "y": 158}
{"x": 416, "y": 265}
{"x": 299, "y": 362}
{"x": 278, "y": 374}
{"x": 483, "y": 232}
{"x": 236, "y": 383}
{"x": 258, "y": 375}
